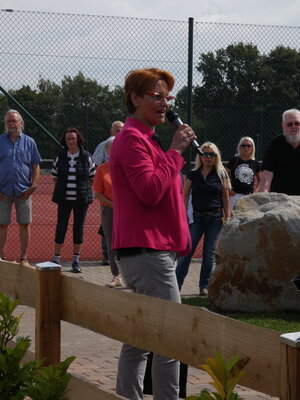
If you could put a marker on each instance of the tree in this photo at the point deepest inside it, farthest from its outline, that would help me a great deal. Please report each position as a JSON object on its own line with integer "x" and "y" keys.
{"x": 89, "y": 107}
{"x": 281, "y": 77}
{"x": 78, "y": 101}
{"x": 231, "y": 76}
{"x": 244, "y": 92}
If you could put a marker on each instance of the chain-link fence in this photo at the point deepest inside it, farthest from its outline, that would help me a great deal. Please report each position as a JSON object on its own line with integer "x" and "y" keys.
{"x": 252, "y": 78}
{"x": 68, "y": 70}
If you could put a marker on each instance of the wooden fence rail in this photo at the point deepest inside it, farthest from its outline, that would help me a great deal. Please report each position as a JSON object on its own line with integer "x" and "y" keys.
{"x": 186, "y": 333}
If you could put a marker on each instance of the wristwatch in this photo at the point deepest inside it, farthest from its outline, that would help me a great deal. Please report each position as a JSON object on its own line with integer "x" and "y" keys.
{"x": 33, "y": 187}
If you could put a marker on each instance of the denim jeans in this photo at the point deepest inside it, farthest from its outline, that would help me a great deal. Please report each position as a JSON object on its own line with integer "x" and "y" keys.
{"x": 210, "y": 226}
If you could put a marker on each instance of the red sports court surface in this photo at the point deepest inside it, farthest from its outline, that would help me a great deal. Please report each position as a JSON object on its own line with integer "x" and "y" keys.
{"x": 43, "y": 230}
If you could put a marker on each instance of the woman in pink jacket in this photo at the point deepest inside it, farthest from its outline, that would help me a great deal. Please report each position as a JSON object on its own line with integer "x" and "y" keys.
{"x": 150, "y": 226}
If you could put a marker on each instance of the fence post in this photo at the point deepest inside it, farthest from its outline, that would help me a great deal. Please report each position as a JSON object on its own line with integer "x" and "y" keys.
{"x": 47, "y": 318}
{"x": 290, "y": 366}
{"x": 189, "y": 103}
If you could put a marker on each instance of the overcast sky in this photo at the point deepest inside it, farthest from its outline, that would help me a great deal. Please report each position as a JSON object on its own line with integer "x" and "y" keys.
{"x": 269, "y": 12}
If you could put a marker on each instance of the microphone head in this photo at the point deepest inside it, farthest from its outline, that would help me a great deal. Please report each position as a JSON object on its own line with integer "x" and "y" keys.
{"x": 171, "y": 115}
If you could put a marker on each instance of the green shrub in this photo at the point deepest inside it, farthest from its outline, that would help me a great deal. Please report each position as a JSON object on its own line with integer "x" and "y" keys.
{"x": 31, "y": 379}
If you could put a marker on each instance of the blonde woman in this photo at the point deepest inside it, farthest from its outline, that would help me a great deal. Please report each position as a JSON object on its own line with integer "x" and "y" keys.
{"x": 209, "y": 185}
{"x": 242, "y": 169}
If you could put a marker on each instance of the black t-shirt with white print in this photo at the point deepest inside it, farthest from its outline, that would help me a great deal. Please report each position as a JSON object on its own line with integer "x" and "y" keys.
{"x": 242, "y": 174}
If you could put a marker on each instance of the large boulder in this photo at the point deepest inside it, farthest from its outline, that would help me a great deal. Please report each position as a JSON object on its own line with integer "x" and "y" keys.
{"x": 258, "y": 255}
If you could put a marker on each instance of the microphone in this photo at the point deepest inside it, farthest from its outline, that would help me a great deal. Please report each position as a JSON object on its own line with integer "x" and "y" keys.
{"x": 174, "y": 119}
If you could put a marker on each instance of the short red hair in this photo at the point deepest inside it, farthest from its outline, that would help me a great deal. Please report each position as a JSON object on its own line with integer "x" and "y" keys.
{"x": 141, "y": 81}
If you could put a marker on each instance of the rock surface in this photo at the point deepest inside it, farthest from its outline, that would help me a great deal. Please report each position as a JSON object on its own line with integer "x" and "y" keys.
{"x": 258, "y": 255}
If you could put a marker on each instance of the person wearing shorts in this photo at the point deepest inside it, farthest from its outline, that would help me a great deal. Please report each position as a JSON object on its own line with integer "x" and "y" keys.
{"x": 19, "y": 174}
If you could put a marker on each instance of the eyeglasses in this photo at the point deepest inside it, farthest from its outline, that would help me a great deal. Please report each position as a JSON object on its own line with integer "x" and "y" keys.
{"x": 290, "y": 124}
{"x": 245, "y": 145}
{"x": 159, "y": 96}
{"x": 13, "y": 121}
{"x": 209, "y": 155}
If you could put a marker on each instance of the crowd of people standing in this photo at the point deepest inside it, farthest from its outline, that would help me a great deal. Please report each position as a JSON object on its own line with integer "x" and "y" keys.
{"x": 74, "y": 170}
{"x": 152, "y": 217}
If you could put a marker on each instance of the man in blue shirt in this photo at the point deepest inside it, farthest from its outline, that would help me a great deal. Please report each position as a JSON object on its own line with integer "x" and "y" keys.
{"x": 19, "y": 174}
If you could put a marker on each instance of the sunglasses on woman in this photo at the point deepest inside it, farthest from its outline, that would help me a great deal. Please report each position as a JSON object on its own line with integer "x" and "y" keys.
{"x": 246, "y": 145}
{"x": 209, "y": 155}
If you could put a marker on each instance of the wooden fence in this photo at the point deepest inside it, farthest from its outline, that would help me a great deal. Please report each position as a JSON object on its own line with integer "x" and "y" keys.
{"x": 186, "y": 333}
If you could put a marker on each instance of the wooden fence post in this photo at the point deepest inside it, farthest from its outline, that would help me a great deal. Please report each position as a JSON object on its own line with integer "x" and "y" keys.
{"x": 48, "y": 313}
{"x": 290, "y": 366}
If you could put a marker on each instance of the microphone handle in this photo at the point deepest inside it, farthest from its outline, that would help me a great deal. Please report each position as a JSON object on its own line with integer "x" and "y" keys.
{"x": 194, "y": 144}
{"x": 176, "y": 122}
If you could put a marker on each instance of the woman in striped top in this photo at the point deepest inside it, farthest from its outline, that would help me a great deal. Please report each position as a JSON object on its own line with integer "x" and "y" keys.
{"x": 73, "y": 171}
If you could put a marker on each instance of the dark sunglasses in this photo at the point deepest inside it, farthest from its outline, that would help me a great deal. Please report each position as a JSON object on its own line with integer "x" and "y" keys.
{"x": 209, "y": 155}
{"x": 290, "y": 124}
{"x": 246, "y": 145}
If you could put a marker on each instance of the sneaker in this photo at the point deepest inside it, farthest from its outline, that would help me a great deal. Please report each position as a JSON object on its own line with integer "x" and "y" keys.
{"x": 76, "y": 267}
{"x": 24, "y": 263}
{"x": 203, "y": 292}
{"x": 105, "y": 262}
{"x": 116, "y": 281}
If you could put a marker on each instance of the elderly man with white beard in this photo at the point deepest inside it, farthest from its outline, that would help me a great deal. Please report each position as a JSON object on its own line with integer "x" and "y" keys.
{"x": 281, "y": 164}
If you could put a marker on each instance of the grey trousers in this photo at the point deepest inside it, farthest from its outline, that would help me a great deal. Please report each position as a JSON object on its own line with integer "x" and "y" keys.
{"x": 151, "y": 274}
{"x": 107, "y": 224}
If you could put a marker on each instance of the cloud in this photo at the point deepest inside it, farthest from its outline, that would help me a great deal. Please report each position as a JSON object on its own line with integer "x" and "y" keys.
{"x": 270, "y": 12}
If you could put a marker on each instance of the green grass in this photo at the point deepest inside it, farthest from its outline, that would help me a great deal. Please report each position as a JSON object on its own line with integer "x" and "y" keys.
{"x": 281, "y": 321}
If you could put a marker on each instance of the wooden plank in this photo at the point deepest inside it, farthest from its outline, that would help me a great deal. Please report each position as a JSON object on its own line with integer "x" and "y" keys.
{"x": 47, "y": 316}
{"x": 290, "y": 369}
{"x": 80, "y": 389}
{"x": 18, "y": 282}
{"x": 186, "y": 333}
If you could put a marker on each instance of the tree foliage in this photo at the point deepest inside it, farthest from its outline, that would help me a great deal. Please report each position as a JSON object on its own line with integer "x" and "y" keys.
{"x": 77, "y": 101}
{"x": 243, "y": 93}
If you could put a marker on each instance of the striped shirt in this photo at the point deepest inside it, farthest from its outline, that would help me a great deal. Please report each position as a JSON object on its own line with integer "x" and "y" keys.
{"x": 71, "y": 191}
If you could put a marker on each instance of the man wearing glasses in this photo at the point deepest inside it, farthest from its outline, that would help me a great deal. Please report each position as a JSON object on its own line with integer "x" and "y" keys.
{"x": 281, "y": 164}
{"x": 19, "y": 174}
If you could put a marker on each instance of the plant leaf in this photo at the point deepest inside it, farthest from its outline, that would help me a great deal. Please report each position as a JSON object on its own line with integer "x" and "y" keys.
{"x": 232, "y": 383}
{"x": 239, "y": 365}
{"x": 216, "y": 383}
{"x": 218, "y": 369}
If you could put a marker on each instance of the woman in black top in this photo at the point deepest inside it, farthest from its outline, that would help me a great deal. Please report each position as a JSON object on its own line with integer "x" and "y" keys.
{"x": 242, "y": 169}
{"x": 208, "y": 183}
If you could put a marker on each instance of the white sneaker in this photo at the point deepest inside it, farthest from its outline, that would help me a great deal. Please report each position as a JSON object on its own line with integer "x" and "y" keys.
{"x": 203, "y": 292}
{"x": 116, "y": 281}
